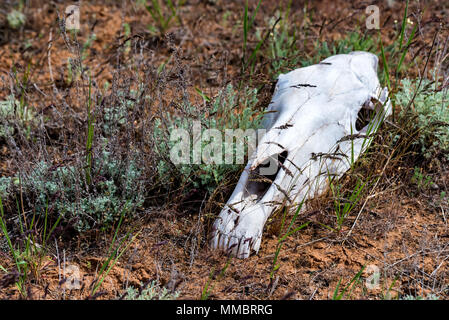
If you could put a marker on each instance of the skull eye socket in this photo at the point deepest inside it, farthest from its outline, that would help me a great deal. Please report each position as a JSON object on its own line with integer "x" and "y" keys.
{"x": 363, "y": 118}
{"x": 259, "y": 182}
{"x": 366, "y": 114}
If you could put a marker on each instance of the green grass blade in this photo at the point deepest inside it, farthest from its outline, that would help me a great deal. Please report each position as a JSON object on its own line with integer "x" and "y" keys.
{"x": 404, "y": 22}
{"x": 384, "y": 61}
{"x": 339, "y": 296}
{"x": 53, "y": 228}
{"x": 6, "y": 235}
{"x": 337, "y": 288}
{"x": 406, "y": 48}
{"x": 117, "y": 255}
{"x": 297, "y": 229}
{"x": 202, "y": 94}
{"x": 254, "y": 15}
{"x": 45, "y": 220}
{"x": 90, "y": 135}
{"x": 110, "y": 251}
{"x": 205, "y": 292}
{"x": 245, "y": 27}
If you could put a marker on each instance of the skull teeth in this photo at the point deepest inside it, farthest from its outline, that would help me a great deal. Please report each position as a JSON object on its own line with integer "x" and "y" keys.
{"x": 236, "y": 247}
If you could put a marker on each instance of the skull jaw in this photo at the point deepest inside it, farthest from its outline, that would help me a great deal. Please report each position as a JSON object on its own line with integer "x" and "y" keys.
{"x": 240, "y": 234}
{"x": 238, "y": 229}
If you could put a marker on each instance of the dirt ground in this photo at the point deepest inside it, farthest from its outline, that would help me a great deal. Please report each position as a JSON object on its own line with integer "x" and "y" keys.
{"x": 401, "y": 232}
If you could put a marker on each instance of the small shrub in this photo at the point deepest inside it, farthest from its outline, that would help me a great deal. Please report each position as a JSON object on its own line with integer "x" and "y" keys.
{"x": 5, "y": 187}
{"x": 421, "y": 180}
{"x": 115, "y": 116}
{"x": 152, "y": 292}
{"x": 227, "y": 111}
{"x": 116, "y": 168}
{"x": 431, "y": 109}
{"x": 16, "y": 19}
{"x": 428, "y": 297}
{"x": 283, "y": 52}
{"x": 115, "y": 189}
{"x": 162, "y": 13}
{"x": 353, "y": 41}
{"x": 12, "y": 112}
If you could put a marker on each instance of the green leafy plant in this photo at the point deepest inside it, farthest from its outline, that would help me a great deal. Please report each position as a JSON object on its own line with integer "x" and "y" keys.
{"x": 163, "y": 12}
{"x": 421, "y": 180}
{"x": 5, "y": 186}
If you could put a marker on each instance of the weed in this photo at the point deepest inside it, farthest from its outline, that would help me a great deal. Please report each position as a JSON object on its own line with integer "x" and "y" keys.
{"x": 249, "y": 60}
{"x": 113, "y": 255}
{"x": 12, "y": 113}
{"x": 283, "y": 51}
{"x": 430, "y": 108}
{"x": 340, "y": 293}
{"x": 163, "y": 14}
{"x": 5, "y": 186}
{"x": 344, "y": 206}
{"x": 208, "y": 287}
{"x": 90, "y": 136}
{"x": 397, "y": 50}
{"x": 221, "y": 116}
{"x": 16, "y": 19}
{"x": 29, "y": 254}
{"x": 421, "y": 180}
{"x": 113, "y": 189}
{"x": 353, "y": 41}
{"x": 428, "y": 297}
{"x": 76, "y": 66}
{"x": 153, "y": 291}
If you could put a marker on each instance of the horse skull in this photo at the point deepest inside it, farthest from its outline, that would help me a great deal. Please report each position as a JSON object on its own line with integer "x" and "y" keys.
{"x": 311, "y": 135}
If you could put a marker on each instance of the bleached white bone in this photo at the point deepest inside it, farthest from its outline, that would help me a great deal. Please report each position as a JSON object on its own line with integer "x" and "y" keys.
{"x": 311, "y": 136}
